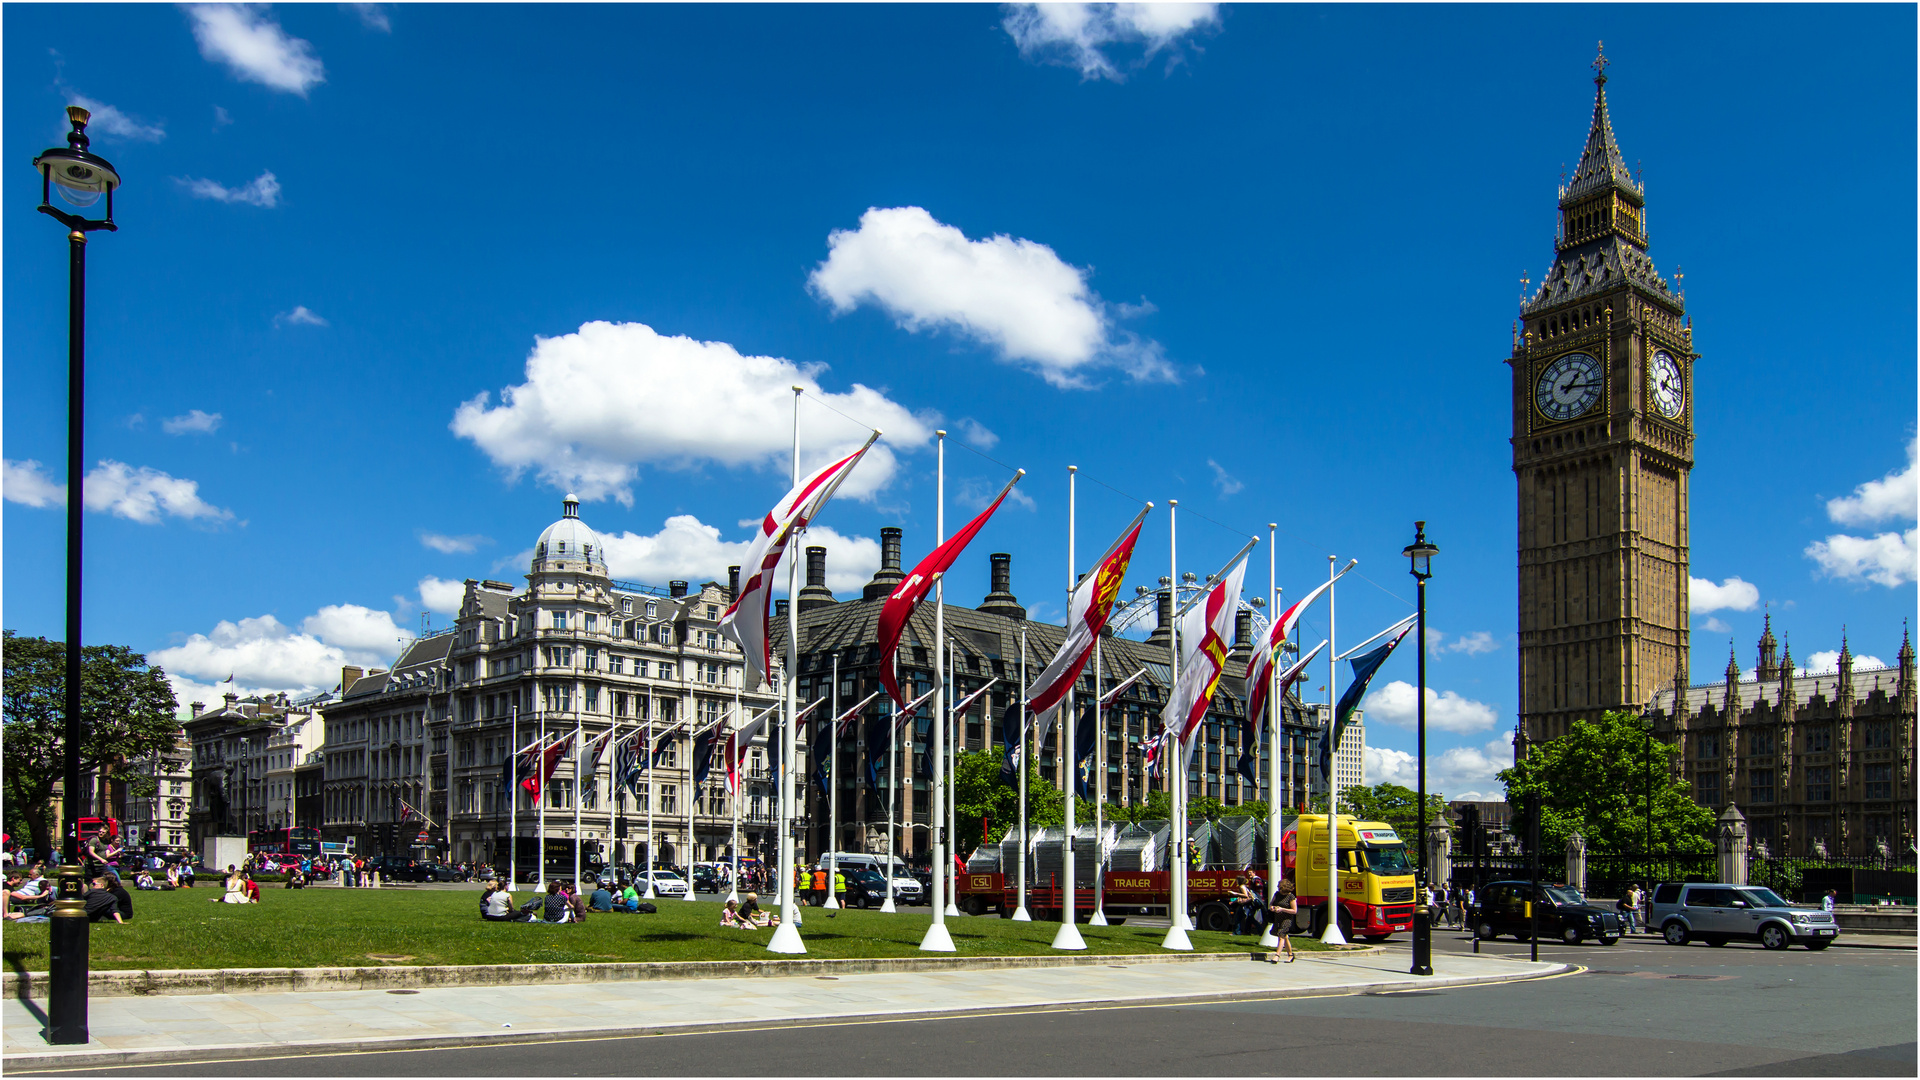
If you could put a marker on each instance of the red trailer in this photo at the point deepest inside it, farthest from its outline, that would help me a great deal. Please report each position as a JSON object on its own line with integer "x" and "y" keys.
{"x": 1126, "y": 894}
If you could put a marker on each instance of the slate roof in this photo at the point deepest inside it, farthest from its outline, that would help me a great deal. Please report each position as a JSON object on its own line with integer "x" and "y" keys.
{"x": 1714, "y": 695}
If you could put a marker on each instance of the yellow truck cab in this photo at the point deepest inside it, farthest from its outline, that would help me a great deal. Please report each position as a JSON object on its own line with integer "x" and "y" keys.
{"x": 1376, "y": 876}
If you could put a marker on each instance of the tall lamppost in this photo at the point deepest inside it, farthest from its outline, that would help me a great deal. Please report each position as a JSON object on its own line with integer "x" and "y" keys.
{"x": 82, "y": 179}
{"x": 1420, "y": 555}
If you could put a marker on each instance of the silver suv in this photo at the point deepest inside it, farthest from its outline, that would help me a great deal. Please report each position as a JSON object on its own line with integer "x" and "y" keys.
{"x": 1717, "y": 913}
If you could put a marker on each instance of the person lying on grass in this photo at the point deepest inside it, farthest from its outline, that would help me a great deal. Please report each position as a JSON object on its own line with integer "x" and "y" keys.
{"x": 104, "y": 901}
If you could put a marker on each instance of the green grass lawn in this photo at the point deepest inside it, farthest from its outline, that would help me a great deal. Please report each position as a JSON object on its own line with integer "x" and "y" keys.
{"x": 361, "y": 927}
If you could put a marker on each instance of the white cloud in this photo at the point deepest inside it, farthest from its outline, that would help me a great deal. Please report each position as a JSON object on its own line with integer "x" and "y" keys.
{"x": 1014, "y": 295}
{"x": 373, "y": 17}
{"x": 1889, "y": 559}
{"x": 1731, "y": 595}
{"x": 1474, "y": 644}
{"x": 1894, "y": 496}
{"x": 1463, "y": 772}
{"x": 1397, "y": 703}
{"x": 685, "y": 549}
{"x": 356, "y": 629}
{"x": 1827, "y": 662}
{"x": 263, "y": 655}
{"x": 221, "y": 118}
{"x": 976, "y": 433}
{"x": 246, "y": 39}
{"x": 301, "y": 315}
{"x": 452, "y": 545}
{"x": 1224, "y": 481}
{"x": 144, "y": 494}
{"x": 263, "y": 191}
{"x": 1082, "y": 35}
{"x": 1715, "y": 626}
{"x": 107, "y": 120}
{"x": 602, "y": 401}
{"x": 441, "y": 595}
{"x": 27, "y": 483}
{"x": 194, "y": 420}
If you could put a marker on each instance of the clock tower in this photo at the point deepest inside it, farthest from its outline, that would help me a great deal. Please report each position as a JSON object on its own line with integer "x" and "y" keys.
{"x": 1603, "y": 394}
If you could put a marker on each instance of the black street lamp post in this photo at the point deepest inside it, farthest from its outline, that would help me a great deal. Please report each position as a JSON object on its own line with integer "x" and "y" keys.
{"x": 1420, "y": 555}
{"x": 81, "y": 179}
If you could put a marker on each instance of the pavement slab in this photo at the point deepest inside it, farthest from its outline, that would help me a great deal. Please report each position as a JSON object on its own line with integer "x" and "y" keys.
{"x": 144, "y": 1030}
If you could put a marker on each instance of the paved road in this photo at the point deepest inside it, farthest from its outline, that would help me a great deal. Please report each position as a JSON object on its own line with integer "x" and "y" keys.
{"x": 1645, "y": 1008}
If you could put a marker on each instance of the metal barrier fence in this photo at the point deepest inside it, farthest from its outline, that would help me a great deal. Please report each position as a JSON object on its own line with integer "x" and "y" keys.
{"x": 1853, "y": 879}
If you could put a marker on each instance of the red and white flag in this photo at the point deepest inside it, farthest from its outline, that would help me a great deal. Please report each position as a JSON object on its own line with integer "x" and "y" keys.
{"x": 906, "y": 712}
{"x": 745, "y": 622}
{"x": 549, "y": 760}
{"x": 1204, "y": 633}
{"x": 1087, "y": 615}
{"x": 737, "y": 742}
{"x": 1277, "y": 635}
{"x": 900, "y": 605}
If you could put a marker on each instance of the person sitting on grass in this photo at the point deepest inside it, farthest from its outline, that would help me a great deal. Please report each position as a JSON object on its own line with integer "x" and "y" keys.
{"x": 144, "y": 881}
{"x": 236, "y": 891}
{"x": 629, "y": 899}
{"x": 730, "y": 917}
{"x": 173, "y": 875}
{"x": 750, "y": 912}
{"x": 20, "y": 904}
{"x": 250, "y": 886}
{"x": 554, "y": 906}
{"x": 496, "y": 903}
{"x": 602, "y": 899}
{"x": 102, "y": 904}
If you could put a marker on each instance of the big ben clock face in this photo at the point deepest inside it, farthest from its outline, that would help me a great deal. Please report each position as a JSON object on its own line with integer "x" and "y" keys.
{"x": 1668, "y": 391}
{"x": 1568, "y": 387}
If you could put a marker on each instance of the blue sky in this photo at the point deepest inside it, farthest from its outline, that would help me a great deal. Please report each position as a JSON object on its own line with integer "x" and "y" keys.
{"x": 1260, "y": 259}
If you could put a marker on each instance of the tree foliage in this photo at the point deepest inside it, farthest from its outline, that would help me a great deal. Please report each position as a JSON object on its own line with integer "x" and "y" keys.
{"x": 1594, "y": 780}
{"x": 1396, "y": 805}
{"x": 978, "y": 794}
{"x": 128, "y": 712}
{"x": 1157, "y": 806}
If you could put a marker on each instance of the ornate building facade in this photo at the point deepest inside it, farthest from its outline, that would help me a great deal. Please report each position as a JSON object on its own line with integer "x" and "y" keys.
{"x": 1819, "y": 764}
{"x": 1602, "y": 370}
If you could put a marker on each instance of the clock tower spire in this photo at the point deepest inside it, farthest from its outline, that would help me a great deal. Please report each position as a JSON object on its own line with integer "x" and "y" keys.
{"x": 1602, "y": 448}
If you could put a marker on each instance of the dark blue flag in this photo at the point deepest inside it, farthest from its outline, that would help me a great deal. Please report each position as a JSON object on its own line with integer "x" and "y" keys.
{"x": 879, "y": 725}
{"x": 1364, "y": 666}
{"x": 1010, "y": 738}
{"x": 703, "y": 746}
{"x": 1084, "y": 734}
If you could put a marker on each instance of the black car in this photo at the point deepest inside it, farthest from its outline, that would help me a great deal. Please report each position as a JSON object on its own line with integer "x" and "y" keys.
{"x": 1559, "y": 912}
{"x": 865, "y": 888}
{"x": 394, "y": 868}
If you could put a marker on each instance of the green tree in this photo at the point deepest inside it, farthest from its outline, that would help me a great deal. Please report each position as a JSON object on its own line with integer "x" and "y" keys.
{"x": 1396, "y": 805}
{"x": 1594, "y": 779}
{"x": 128, "y": 712}
{"x": 979, "y": 795}
{"x": 1157, "y": 806}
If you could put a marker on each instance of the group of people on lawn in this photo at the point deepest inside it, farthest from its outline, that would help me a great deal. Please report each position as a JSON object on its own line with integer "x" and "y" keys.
{"x": 29, "y": 896}
{"x": 563, "y": 902}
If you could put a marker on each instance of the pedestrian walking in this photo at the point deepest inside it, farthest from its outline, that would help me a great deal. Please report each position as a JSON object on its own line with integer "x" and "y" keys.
{"x": 1280, "y": 912}
{"x": 1827, "y": 901}
{"x": 1629, "y": 907}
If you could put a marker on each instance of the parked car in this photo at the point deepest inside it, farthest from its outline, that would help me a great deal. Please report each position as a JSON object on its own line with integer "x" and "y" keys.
{"x": 665, "y": 883}
{"x": 395, "y": 868}
{"x": 1717, "y": 913}
{"x": 865, "y": 889}
{"x": 1559, "y": 912}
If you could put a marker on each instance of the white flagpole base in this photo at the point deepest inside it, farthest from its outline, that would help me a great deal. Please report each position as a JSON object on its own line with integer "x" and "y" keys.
{"x": 649, "y": 895}
{"x": 831, "y": 904}
{"x": 888, "y": 908}
{"x": 1269, "y": 940}
{"x": 1020, "y": 914}
{"x": 1177, "y": 939}
{"x": 952, "y": 911}
{"x": 1183, "y": 923}
{"x": 1068, "y": 937}
{"x": 1099, "y": 918}
{"x": 937, "y": 939}
{"x": 688, "y": 895}
{"x": 1333, "y": 936}
{"x": 733, "y": 895}
{"x": 786, "y": 939}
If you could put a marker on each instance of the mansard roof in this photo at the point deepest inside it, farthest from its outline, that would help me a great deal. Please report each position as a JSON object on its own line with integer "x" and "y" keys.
{"x": 1806, "y": 688}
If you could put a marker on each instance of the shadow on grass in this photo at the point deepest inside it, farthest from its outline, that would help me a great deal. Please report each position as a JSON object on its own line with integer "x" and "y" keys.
{"x": 670, "y": 935}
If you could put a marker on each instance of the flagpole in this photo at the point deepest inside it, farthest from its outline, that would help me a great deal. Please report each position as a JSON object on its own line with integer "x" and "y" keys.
{"x": 786, "y": 936}
{"x": 833, "y": 790}
{"x": 1099, "y": 917}
{"x": 579, "y": 747}
{"x": 647, "y": 866}
{"x": 893, "y": 752}
{"x": 938, "y": 939}
{"x": 1020, "y": 913}
{"x": 1068, "y": 936}
{"x": 540, "y": 828}
{"x": 1176, "y": 917}
{"x": 951, "y": 778}
{"x": 1332, "y": 935}
{"x": 513, "y": 798}
{"x": 733, "y": 796}
{"x": 1274, "y": 800}
{"x": 693, "y": 793}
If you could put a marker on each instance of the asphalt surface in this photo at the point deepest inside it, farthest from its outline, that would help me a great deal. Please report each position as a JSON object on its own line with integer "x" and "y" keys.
{"x": 1644, "y": 1008}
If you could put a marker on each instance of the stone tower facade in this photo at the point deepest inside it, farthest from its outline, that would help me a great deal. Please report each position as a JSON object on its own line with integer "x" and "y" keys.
{"x": 1602, "y": 368}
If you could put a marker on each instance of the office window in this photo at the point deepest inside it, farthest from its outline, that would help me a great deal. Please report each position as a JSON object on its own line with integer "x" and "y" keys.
{"x": 1879, "y": 736}
{"x": 593, "y": 657}
{"x": 1760, "y": 742}
{"x": 1878, "y": 780}
{"x": 619, "y": 703}
{"x": 590, "y": 622}
{"x": 616, "y": 664}
{"x": 669, "y": 798}
{"x": 1706, "y": 747}
{"x": 1820, "y": 737}
{"x": 1707, "y": 786}
{"x": 560, "y": 620}
{"x": 591, "y": 699}
{"x": 559, "y": 794}
{"x": 1760, "y": 786}
{"x": 1820, "y": 783}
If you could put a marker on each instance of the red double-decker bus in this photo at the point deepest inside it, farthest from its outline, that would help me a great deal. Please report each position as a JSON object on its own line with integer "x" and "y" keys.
{"x": 283, "y": 845}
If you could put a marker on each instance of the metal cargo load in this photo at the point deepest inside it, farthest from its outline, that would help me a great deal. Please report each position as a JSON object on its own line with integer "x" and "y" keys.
{"x": 1088, "y": 848}
{"x": 984, "y": 860}
{"x": 1141, "y": 847}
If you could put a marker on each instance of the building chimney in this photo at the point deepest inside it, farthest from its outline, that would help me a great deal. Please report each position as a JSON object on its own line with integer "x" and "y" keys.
{"x": 1001, "y": 601}
{"x": 888, "y": 577}
{"x": 348, "y": 676}
{"x": 816, "y": 594}
{"x": 676, "y": 588}
{"x": 196, "y": 708}
{"x": 733, "y": 583}
{"x": 1242, "y": 649}
{"x": 1163, "y": 633}
{"x": 780, "y": 609}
